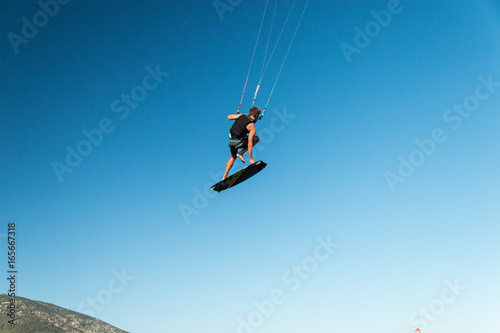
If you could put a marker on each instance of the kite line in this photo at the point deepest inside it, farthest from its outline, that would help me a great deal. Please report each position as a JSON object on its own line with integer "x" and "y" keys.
{"x": 264, "y": 64}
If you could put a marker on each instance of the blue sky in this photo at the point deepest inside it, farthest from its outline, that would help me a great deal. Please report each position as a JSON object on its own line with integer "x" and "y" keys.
{"x": 133, "y": 236}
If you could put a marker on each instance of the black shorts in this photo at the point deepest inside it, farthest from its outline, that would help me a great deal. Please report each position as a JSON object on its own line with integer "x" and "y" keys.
{"x": 237, "y": 143}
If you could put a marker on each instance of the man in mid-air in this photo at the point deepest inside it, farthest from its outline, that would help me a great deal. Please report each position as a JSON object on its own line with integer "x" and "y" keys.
{"x": 242, "y": 136}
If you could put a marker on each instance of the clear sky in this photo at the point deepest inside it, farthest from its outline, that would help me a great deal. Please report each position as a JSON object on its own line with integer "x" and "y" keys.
{"x": 378, "y": 211}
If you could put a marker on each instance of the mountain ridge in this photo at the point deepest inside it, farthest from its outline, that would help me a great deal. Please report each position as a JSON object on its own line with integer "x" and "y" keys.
{"x": 40, "y": 317}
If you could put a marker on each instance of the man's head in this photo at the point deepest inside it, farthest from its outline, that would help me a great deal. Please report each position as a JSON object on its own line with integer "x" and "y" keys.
{"x": 254, "y": 113}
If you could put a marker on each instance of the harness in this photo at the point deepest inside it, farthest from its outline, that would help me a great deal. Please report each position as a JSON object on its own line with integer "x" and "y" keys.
{"x": 240, "y": 125}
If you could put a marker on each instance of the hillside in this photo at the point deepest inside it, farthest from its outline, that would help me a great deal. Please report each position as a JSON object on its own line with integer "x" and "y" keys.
{"x": 39, "y": 317}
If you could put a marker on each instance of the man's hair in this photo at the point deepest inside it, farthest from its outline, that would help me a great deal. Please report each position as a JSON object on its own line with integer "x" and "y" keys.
{"x": 254, "y": 112}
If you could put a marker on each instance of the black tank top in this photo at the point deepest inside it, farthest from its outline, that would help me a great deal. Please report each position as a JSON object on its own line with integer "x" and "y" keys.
{"x": 239, "y": 128}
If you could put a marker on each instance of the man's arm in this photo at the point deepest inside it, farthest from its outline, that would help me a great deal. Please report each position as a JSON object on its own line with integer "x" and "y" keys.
{"x": 252, "y": 130}
{"x": 234, "y": 116}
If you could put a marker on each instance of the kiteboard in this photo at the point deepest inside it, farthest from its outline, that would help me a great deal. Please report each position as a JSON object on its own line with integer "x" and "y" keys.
{"x": 239, "y": 176}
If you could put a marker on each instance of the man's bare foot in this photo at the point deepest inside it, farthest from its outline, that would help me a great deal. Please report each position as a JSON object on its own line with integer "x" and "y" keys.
{"x": 241, "y": 158}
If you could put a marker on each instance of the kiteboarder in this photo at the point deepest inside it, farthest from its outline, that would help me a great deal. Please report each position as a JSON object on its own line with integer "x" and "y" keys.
{"x": 242, "y": 136}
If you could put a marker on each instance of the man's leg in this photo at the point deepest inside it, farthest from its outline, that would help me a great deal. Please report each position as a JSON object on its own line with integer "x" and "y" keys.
{"x": 255, "y": 141}
{"x": 229, "y": 165}
{"x": 240, "y": 156}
